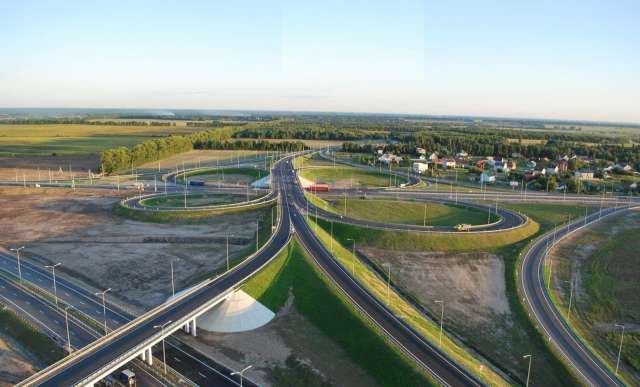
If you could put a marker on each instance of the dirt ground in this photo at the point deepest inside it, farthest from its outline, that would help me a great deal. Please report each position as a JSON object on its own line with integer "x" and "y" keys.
{"x": 289, "y": 333}
{"x": 16, "y": 363}
{"x": 102, "y": 250}
{"x": 472, "y": 284}
{"x": 203, "y": 158}
{"x": 37, "y": 168}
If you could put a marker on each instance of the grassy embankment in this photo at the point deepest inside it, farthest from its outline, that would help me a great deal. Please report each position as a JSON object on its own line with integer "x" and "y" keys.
{"x": 346, "y": 176}
{"x": 323, "y": 305}
{"x": 33, "y": 340}
{"x": 508, "y": 245}
{"x": 196, "y": 200}
{"x": 605, "y": 265}
{"x": 376, "y": 283}
{"x": 406, "y": 212}
{"x": 254, "y": 173}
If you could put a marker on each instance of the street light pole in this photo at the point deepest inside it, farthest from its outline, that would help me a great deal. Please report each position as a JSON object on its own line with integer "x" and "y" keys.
{"x": 241, "y": 373}
{"x": 570, "y": 298}
{"x": 17, "y": 250}
{"x": 164, "y": 358}
{"x": 66, "y": 321}
{"x": 104, "y": 308}
{"x": 227, "y": 251}
{"x": 620, "y": 348}
{"x": 354, "y": 254}
{"x": 441, "y": 302}
{"x": 388, "y": 281}
{"x": 529, "y": 368}
{"x": 173, "y": 285}
{"x": 53, "y": 271}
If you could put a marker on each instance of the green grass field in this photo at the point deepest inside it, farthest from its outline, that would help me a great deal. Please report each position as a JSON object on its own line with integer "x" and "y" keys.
{"x": 549, "y": 215}
{"x": 349, "y": 176}
{"x": 404, "y": 212}
{"x": 193, "y": 200}
{"x": 415, "y": 241}
{"x": 33, "y": 340}
{"x": 322, "y": 304}
{"x": 255, "y": 173}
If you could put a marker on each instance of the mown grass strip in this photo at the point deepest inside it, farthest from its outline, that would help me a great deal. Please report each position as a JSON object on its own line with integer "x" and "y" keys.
{"x": 316, "y": 298}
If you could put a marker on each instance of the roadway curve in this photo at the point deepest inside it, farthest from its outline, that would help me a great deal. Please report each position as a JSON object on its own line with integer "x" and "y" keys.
{"x": 84, "y": 363}
{"x": 546, "y": 315}
{"x": 508, "y": 219}
{"x": 122, "y": 340}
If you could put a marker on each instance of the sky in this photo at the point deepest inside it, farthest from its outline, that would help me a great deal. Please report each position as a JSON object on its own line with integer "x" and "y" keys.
{"x": 558, "y": 59}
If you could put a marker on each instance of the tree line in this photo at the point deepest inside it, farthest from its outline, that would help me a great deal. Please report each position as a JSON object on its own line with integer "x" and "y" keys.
{"x": 123, "y": 158}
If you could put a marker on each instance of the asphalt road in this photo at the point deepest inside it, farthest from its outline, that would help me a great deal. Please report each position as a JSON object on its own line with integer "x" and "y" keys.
{"x": 546, "y": 315}
{"x": 508, "y": 219}
{"x": 89, "y": 362}
{"x": 51, "y": 321}
{"x": 183, "y": 359}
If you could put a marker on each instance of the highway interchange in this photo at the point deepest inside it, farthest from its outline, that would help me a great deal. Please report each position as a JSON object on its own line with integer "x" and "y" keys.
{"x": 292, "y": 206}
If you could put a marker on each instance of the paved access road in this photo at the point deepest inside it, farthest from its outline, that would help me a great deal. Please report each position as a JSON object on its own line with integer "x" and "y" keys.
{"x": 546, "y": 315}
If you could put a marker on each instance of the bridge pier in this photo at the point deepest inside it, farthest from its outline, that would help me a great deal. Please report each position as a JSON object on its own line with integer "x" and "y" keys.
{"x": 149, "y": 356}
{"x": 193, "y": 327}
{"x": 185, "y": 328}
{"x": 143, "y": 356}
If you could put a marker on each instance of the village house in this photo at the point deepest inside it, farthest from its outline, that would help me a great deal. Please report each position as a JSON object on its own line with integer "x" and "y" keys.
{"x": 389, "y": 158}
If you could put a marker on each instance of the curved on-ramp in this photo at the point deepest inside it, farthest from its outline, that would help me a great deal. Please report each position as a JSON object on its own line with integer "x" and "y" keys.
{"x": 548, "y": 319}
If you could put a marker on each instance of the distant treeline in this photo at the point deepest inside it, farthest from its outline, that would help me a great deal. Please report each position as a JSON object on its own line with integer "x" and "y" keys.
{"x": 82, "y": 121}
{"x": 123, "y": 158}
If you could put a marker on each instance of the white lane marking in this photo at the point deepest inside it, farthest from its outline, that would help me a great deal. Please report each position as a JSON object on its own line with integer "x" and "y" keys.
{"x": 176, "y": 359}
{"x": 202, "y": 376}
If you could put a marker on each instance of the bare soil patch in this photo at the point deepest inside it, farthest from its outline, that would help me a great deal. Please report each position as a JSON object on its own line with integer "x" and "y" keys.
{"x": 37, "y": 168}
{"x": 472, "y": 284}
{"x": 16, "y": 363}
{"x": 102, "y": 250}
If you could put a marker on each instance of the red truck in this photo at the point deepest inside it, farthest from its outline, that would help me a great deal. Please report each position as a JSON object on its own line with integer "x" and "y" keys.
{"x": 318, "y": 188}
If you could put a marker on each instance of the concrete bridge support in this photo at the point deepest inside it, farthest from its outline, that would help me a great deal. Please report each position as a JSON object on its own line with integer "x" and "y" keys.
{"x": 149, "y": 356}
{"x": 185, "y": 328}
{"x": 193, "y": 327}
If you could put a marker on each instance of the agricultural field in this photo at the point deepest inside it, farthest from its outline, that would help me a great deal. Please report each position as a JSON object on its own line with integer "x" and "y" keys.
{"x": 604, "y": 266}
{"x": 76, "y": 139}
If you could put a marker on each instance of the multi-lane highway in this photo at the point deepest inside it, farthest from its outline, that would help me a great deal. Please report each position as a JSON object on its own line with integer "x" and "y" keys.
{"x": 291, "y": 205}
{"x": 582, "y": 361}
{"x": 183, "y": 359}
{"x": 84, "y": 364}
